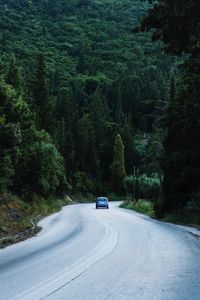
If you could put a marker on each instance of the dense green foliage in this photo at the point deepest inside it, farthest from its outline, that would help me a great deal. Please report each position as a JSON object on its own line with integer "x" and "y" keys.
{"x": 145, "y": 187}
{"x": 29, "y": 160}
{"x": 73, "y": 77}
{"x": 177, "y": 23}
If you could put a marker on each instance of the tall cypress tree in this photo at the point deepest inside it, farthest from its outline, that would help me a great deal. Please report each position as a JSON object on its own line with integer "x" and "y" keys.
{"x": 118, "y": 108}
{"x": 117, "y": 167}
{"x": 131, "y": 157}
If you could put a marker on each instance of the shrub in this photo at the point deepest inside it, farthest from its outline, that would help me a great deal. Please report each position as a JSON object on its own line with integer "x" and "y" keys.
{"x": 128, "y": 184}
{"x": 146, "y": 187}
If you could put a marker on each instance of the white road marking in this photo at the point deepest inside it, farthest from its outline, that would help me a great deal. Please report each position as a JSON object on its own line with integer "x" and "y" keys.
{"x": 69, "y": 273}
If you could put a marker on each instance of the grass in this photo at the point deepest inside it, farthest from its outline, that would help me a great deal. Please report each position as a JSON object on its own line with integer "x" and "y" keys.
{"x": 183, "y": 217}
{"x": 141, "y": 206}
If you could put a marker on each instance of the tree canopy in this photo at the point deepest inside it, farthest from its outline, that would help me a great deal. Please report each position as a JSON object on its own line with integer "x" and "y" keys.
{"x": 177, "y": 24}
{"x": 73, "y": 76}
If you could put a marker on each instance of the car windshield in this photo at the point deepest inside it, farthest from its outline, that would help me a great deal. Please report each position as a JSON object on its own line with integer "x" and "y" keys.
{"x": 102, "y": 199}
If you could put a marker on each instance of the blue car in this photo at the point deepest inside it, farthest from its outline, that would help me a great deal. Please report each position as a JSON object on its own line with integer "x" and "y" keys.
{"x": 102, "y": 202}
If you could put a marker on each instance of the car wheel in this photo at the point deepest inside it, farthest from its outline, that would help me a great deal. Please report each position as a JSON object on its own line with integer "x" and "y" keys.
{"x": 107, "y": 207}
{"x": 96, "y": 207}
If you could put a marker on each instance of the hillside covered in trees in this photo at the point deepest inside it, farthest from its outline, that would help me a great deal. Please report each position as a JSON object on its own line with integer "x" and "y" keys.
{"x": 73, "y": 76}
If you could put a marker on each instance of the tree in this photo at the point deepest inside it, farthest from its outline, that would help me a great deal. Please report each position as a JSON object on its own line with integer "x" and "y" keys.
{"x": 177, "y": 25}
{"x": 117, "y": 167}
{"x": 10, "y": 137}
{"x": 131, "y": 156}
{"x": 13, "y": 76}
{"x": 10, "y": 134}
{"x": 86, "y": 152}
{"x": 173, "y": 88}
{"x": 29, "y": 161}
{"x": 118, "y": 108}
{"x": 41, "y": 167}
{"x": 180, "y": 161}
{"x": 98, "y": 117}
{"x": 41, "y": 103}
{"x": 81, "y": 66}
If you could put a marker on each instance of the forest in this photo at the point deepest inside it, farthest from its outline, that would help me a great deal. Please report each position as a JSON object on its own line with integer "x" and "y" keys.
{"x": 86, "y": 98}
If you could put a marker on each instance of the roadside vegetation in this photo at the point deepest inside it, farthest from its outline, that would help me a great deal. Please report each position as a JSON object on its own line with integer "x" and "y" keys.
{"x": 145, "y": 197}
{"x": 142, "y": 206}
{"x": 148, "y": 208}
{"x": 18, "y": 218}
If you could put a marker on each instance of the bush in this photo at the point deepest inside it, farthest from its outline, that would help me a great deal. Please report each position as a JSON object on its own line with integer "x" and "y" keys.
{"x": 128, "y": 184}
{"x": 146, "y": 187}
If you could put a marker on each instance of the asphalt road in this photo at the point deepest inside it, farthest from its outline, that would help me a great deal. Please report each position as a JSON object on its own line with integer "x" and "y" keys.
{"x": 88, "y": 254}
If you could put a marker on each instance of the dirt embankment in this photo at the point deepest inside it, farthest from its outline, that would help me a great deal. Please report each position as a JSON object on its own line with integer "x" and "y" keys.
{"x": 18, "y": 218}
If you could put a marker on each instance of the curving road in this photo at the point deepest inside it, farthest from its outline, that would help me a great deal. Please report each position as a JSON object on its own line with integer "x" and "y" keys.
{"x": 115, "y": 254}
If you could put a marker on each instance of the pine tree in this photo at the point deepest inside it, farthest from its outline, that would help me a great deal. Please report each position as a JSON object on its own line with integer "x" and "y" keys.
{"x": 81, "y": 66}
{"x": 65, "y": 116}
{"x": 13, "y": 76}
{"x": 55, "y": 83}
{"x": 117, "y": 168}
{"x": 131, "y": 157}
{"x": 41, "y": 102}
{"x": 62, "y": 137}
{"x": 64, "y": 107}
{"x": 172, "y": 89}
{"x": 118, "y": 108}
{"x": 98, "y": 117}
{"x": 85, "y": 145}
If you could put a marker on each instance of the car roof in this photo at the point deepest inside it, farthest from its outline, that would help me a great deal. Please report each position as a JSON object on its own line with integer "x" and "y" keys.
{"x": 102, "y": 198}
